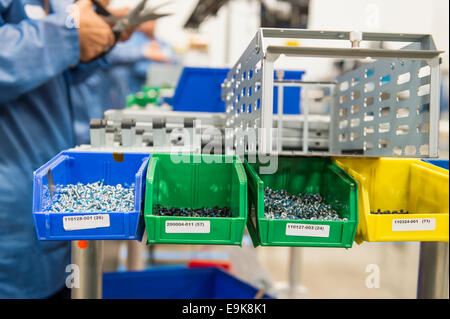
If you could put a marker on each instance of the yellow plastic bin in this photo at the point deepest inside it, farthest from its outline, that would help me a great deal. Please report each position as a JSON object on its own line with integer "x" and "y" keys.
{"x": 394, "y": 184}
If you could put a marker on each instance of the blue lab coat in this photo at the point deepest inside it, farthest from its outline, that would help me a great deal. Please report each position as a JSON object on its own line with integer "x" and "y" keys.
{"x": 130, "y": 65}
{"x": 36, "y": 122}
{"x": 129, "y": 62}
{"x": 102, "y": 90}
{"x": 124, "y": 72}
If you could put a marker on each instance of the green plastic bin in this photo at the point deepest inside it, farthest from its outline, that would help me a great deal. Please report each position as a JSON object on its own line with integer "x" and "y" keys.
{"x": 131, "y": 100}
{"x": 198, "y": 181}
{"x": 303, "y": 175}
{"x": 151, "y": 94}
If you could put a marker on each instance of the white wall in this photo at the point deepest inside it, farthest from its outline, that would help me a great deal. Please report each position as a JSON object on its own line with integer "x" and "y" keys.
{"x": 409, "y": 16}
{"x": 169, "y": 29}
{"x": 244, "y": 22}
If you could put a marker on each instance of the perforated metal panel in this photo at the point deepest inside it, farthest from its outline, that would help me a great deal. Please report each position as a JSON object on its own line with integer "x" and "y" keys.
{"x": 242, "y": 93}
{"x": 384, "y": 109}
{"x": 387, "y": 108}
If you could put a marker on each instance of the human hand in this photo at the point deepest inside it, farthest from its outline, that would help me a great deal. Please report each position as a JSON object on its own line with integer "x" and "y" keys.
{"x": 120, "y": 13}
{"x": 104, "y": 3}
{"x": 95, "y": 35}
{"x": 152, "y": 51}
{"x": 126, "y": 35}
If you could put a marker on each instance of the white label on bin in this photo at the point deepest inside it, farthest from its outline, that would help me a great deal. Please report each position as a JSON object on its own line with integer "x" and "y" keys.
{"x": 187, "y": 227}
{"x": 85, "y": 221}
{"x": 412, "y": 224}
{"x": 309, "y": 230}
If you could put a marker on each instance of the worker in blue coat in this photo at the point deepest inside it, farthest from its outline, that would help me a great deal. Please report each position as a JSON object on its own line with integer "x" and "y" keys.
{"x": 41, "y": 47}
{"x": 124, "y": 73}
{"x": 133, "y": 58}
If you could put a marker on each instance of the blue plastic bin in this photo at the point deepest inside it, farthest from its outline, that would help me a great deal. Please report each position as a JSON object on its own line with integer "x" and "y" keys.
{"x": 438, "y": 162}
{"x": 176, "y": 283}
{"x": 199, "y": 90}
{"x": 79, "y": 167}
{"x": 291, "y": 95}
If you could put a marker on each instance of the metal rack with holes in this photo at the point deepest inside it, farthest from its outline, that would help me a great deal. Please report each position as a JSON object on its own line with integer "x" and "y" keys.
{"x": 387, "y": 107}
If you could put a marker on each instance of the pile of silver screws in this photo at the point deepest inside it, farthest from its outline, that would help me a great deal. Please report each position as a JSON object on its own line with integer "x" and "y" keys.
{"x": 279, "y": 204}
{"x": 92, "y": 197}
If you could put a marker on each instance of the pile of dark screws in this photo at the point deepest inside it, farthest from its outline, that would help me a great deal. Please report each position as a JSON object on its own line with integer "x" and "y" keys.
{"x": 279, "y": 204}
{"x": 192, "y": 212}
{"x": 386, "y": 212}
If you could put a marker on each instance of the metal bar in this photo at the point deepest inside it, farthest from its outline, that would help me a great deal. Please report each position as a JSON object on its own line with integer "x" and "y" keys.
{"x": 294, "y": 269}
{"x": 170, "y": 116}
{"x": 304, "y": 34}
{"x": 434, "y": 107}
{"x": 357, "y": 53}
{"x": 334, "y": 118}
{"x": 305, "y": 83}
{"x": 341, "y": 35}
{"x": 146, "y": 150}
{"x": 135, "y": 262}
{"x": 395, "y": 37}
{"x": 89, "y": 261}
{"x": 305, "y": 111}
{"x": 151, "y": 255}
{"x": 280, "y": 118}
{"x": 265, "y": 142}
{"x": 433, "y": 271}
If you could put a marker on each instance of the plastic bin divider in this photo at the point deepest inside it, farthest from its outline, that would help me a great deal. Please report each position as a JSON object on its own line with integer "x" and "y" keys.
{"x": 238, "y": 173}
{"x": 363, "y": 192}
{"x": 40, "y": 175}
{"x": 253, "y": 197}
{"x": 423, "y": 201}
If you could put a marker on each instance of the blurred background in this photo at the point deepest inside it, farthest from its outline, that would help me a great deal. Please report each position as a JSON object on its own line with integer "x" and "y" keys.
{"x": 208, "y": 33}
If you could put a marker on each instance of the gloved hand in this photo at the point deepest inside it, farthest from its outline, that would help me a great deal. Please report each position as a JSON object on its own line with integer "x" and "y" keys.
{"x": 95, "y": 35}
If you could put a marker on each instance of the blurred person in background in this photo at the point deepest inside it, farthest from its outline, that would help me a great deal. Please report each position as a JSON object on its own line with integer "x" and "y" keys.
{"x": 43, "y": 52}
{"x": 124, "y": 74}
{"x": 132, "y": 60}
{"x": 146, "y": 49}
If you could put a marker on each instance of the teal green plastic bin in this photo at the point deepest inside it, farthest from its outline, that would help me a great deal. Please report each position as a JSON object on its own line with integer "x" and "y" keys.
{"x": 198, "y": 181}
{"x": 303, "y": 175}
